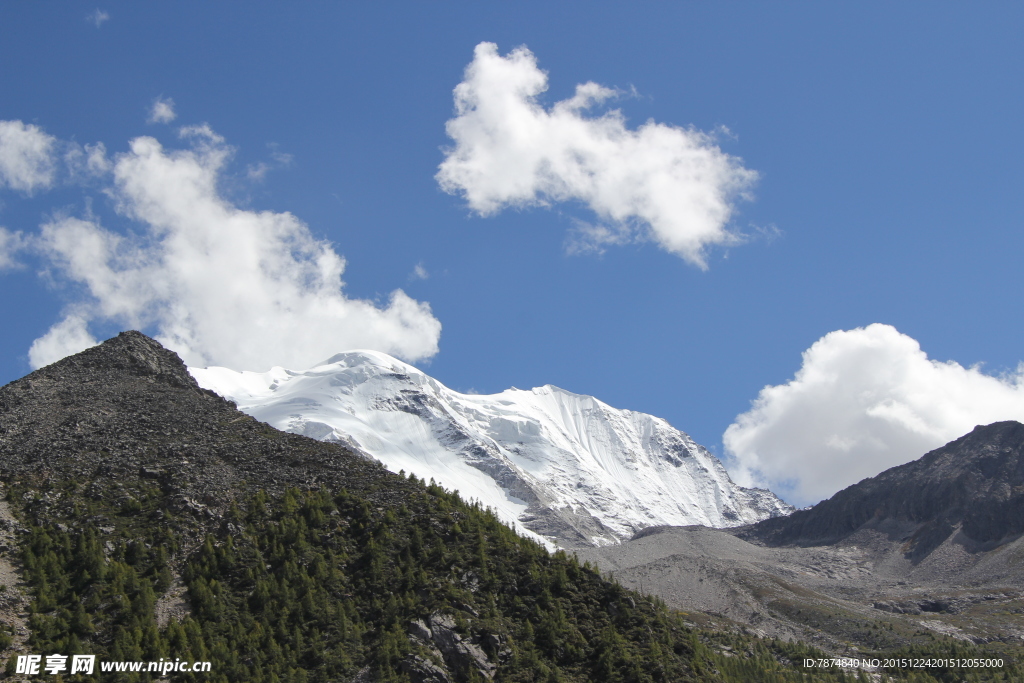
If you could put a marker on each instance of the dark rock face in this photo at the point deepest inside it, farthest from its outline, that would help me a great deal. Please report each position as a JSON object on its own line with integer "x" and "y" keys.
{"x": 974, "y": 484}
{"x": 444, "y": 641}
{"x": 948, "y": 605}
{"x": 128, "y": 408}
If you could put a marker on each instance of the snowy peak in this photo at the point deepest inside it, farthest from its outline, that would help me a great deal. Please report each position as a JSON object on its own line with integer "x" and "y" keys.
{"x": 563, "y": 467}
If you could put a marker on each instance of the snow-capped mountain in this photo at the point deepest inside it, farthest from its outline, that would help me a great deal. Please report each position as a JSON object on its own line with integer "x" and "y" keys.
{"x": 559, "y": 466}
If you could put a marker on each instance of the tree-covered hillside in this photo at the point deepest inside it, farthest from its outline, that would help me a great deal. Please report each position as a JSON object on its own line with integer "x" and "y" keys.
{"x": 148, "y": 519}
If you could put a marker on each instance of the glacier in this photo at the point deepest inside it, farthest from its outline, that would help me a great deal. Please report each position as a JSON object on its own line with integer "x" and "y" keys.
{"x": 565, "y": 469}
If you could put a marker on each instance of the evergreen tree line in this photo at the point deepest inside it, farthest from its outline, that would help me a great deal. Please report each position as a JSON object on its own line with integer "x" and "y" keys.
{"x": 318, "y": 585}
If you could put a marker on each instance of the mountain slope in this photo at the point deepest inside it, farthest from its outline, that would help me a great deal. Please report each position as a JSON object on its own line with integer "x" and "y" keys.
{"x": 566, "y": 467}
{"x": 974, "y": 485}
{"x": 935, "y": 544}
{"x": 146, "y": 519}
{"x": 294, "y": 559}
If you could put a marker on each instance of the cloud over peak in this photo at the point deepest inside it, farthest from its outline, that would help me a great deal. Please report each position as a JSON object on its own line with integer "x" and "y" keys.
{"x": 665, "y": 183}
{"x": 220, "y": 284}
{"x": 864, "y": 400}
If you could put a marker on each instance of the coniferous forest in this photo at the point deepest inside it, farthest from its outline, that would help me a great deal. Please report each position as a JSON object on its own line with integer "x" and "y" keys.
{"x": 145, "y": 519}
{"x": 321, "y": 586}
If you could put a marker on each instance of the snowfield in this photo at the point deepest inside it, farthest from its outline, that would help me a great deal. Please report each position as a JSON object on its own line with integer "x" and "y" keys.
{"x": 560, "y": 467}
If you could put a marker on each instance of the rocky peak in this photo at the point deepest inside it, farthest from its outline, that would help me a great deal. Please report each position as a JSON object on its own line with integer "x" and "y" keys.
{"x": 129, "y": 353}
{"x": 974, "y": 484}
{"x": 129, "y": 408}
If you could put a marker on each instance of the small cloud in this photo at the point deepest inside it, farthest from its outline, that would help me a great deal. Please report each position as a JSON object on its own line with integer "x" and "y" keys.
{"x": 162, "y": 111}
{"x": 585, "y": 238}
{"x": 69, "y": 336}
{"x": 768, "y": 233}
{"x": 98, "y": 17}
{"x": 85, "y": 162}
{"x": 282, "y": 159}
{"x": 204, "y": 136}
{"x": 258, "y": 171}
{"x": 96, "y": 158}
{"x": 10, "y": 244}
{"x": 419, "y": 272}
{"x": 26, "y": 157}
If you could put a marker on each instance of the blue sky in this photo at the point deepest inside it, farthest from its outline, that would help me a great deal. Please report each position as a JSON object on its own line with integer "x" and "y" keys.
{"x": 886, "y": 140}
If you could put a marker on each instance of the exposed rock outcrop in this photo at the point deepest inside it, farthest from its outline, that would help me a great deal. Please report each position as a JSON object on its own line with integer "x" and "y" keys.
{"x": 442, "y": 638}
{"x": 974, "y": 485}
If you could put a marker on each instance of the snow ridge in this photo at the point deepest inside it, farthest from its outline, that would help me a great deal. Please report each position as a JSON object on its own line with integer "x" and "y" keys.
{"x": 563, "y": 468}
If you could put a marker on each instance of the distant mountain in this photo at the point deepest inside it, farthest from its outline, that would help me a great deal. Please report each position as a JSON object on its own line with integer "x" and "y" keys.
{"x": 567, "y": 468}
{"x": 974, "y": 485}
{"x": 930, "y": 547}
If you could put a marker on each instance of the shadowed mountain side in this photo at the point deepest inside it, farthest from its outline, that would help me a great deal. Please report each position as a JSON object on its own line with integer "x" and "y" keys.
{"x": 973, "y": 485}
{"x": 129, "y": 407}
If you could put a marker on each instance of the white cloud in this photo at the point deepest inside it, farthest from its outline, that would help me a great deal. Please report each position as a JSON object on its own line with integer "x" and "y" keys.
{"x": 585, "y": 238}
{"x": 864, "y": 400}
{"x": 258, "y": 172}
{"x": 162, "y": 111}
{"x": 86, "y": 163}
{"x": 419, "y": 272}
{"x": 98, "y": 17}
{"x": 63, "y": 339}
{"x": 669, "y": 184}
{"x": 96, "y": 159}
{"x": 221, "y": 285}
{"x": 282, "y": 159}
{"x": 10, "y": 244}
{"x": 26, "y": 157}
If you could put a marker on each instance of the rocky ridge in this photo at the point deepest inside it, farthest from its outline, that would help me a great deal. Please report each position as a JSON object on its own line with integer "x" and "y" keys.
{"x": 129, "y": 407}
{"x": 973, "y": 485}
